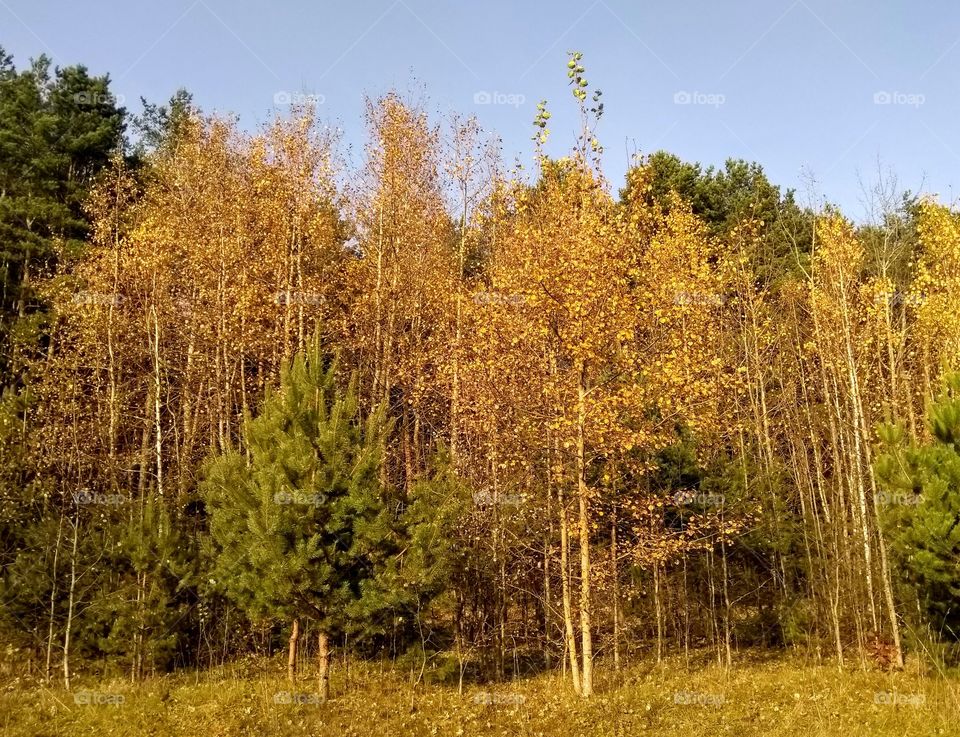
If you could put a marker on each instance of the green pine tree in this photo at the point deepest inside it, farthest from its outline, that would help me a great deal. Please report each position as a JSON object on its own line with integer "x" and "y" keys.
{"x": 58, "y": 130}
{"x": 299, "y": 522}
{"x": 920, "y": 499}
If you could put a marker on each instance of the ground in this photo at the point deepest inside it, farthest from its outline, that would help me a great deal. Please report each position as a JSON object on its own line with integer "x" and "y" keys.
{"x": 759, "y": 696}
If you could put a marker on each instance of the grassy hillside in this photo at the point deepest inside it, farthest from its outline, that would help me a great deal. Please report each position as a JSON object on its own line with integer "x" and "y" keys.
{"x": 761, "y": 697}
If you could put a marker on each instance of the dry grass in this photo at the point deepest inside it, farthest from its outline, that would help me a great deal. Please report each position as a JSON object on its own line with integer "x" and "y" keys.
{"x": 758, "y": 697}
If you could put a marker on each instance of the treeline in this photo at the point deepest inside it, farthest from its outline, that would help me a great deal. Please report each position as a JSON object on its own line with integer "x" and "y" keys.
{"x": 444, "y": 410}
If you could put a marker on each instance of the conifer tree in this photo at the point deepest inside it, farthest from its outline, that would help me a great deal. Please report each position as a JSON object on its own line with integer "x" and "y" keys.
{"x": 921, "y": 496}
{"x": 296, "y": 519}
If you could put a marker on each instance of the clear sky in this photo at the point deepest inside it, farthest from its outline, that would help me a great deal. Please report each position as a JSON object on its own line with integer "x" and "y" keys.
{"x": 830, "y": 91}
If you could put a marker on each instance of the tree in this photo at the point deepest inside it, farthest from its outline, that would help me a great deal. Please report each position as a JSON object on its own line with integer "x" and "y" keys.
{"x": 403, "y": 285}
{"x": 921, "y": 491}
{"x": 57, "y": 131}
{"x": 728, "y": 198}
{"x": 297, "y": 519}
{"x": 160, "y": 125}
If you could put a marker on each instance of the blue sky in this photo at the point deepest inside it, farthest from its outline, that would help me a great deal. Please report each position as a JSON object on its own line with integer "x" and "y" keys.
{"x": 826, "y": 95}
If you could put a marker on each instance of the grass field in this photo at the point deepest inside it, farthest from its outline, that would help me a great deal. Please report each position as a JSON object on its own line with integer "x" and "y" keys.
{"x": 758, "y": 697}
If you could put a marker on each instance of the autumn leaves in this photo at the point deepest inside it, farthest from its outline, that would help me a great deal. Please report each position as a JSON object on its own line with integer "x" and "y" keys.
{"x": 554, "y": 338}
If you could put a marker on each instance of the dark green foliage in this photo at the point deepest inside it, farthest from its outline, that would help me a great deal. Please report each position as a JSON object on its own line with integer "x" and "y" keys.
{"x": 17, "y": 472}
{"x": 920, "y": 497}
{"x": 140, "y": 619}
{"x": 726, "y": 198}
{"x": 57, "y": 130}
{"x": 769, "y": 549}
{"x": 158, "y": 125}
{"x": 415, "y": 576}
{"x": 300, "y": 523}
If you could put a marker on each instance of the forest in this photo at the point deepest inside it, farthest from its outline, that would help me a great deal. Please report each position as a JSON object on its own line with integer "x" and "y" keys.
{"x": 468, "y": 419}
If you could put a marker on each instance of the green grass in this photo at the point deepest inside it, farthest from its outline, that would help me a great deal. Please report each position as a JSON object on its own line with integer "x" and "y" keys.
{"x": 757, "y": 697}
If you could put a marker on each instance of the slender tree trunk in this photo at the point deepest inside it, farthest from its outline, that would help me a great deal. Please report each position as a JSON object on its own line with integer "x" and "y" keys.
{"x": 727, "y": 607}
{"x": 583, "y": 497}
{"x": 157, "y": 398}
{"x": 323, "y": 661}
{"x": 616, "y": 588}
{"x": 292, "y": 651}
{"x": 136, "y": 669}
{"x": 53, "y": 600}
{"x": 658, "y": 607}
{"x": 457, "y": 337}
{"x": 70, "y": 603}
{"x": 571, "y": 639}
{"x": 547, "y": 567}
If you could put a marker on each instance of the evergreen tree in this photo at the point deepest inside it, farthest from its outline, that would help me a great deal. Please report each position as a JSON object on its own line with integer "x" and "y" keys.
{"x": 141, "y": 617}
{"x": 920, "y": 493}
{"x": 299, "y": 521}
{"x": 57, "y": 131}
{"x": 726, "y": 198}
{"x": 159, "y": 125}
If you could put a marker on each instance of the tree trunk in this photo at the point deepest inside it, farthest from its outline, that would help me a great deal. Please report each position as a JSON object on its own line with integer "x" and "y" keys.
{"x": 567, "y": 598}
{"x": 583, "y": 496}
{"x": 658, "y": 608}
{"x": 53, "y": 600}
{"x": 616, "y": 588}
{"x": 547, "y": 591}
{"x": 157, "y": 398}
{"x": 292, "y": 652}
{"x": 70, "y": 603}
{"x": 323, "y": 660}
